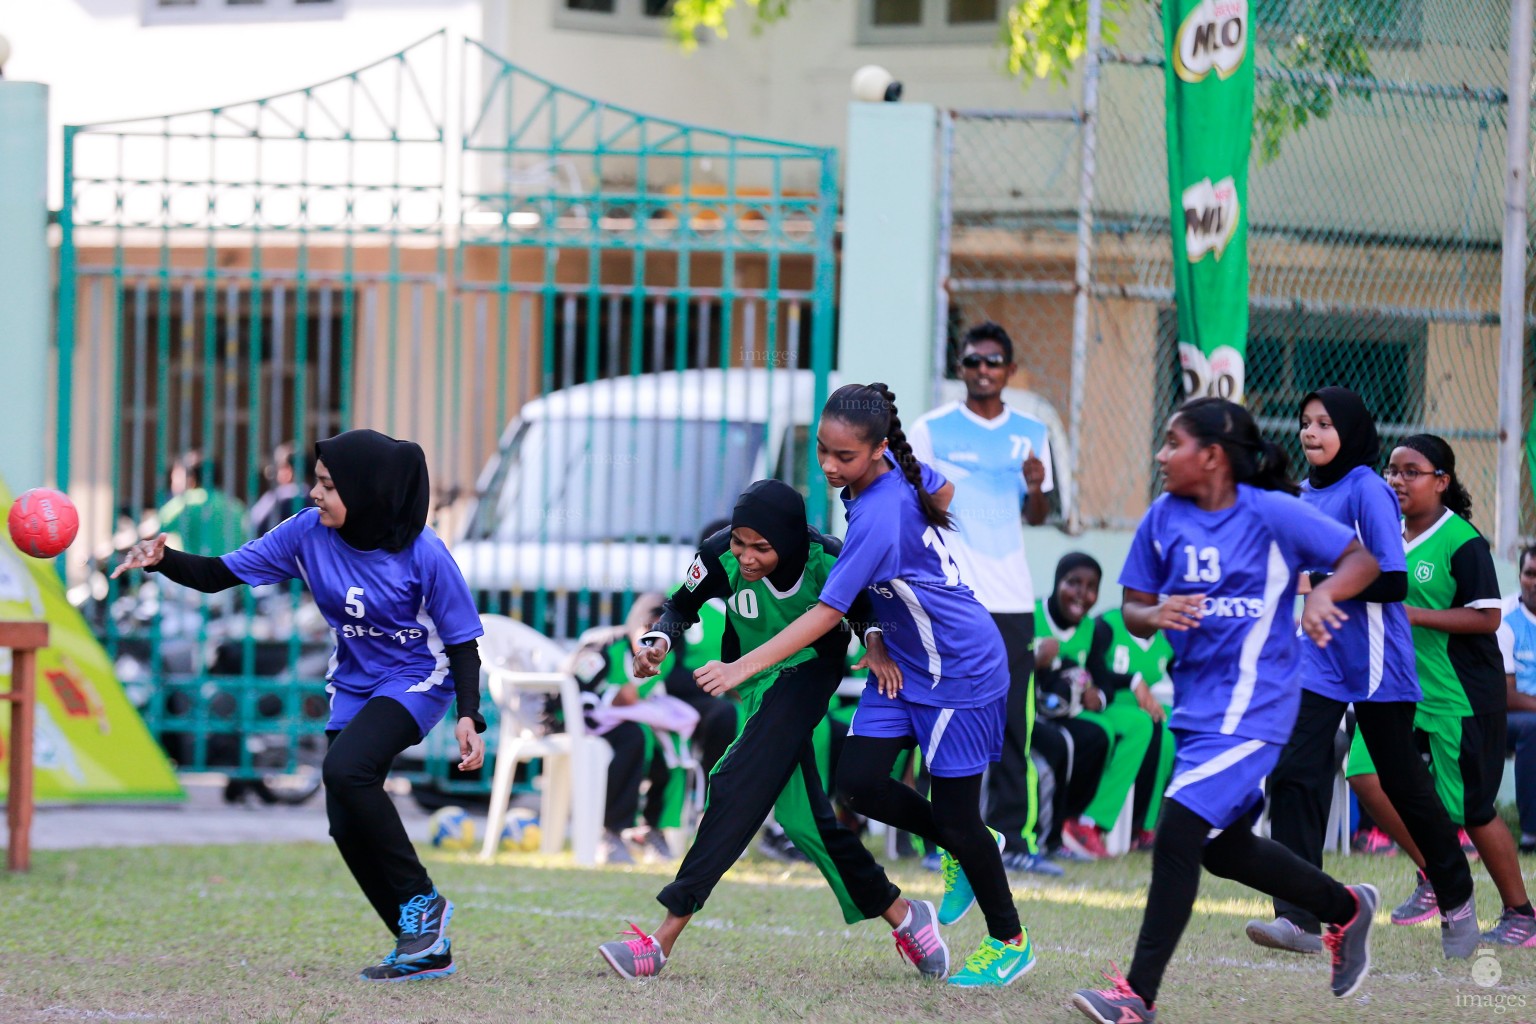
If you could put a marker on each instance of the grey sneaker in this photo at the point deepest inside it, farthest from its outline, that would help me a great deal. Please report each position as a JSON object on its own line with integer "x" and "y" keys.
{"x": 1350, "y": 943}
{"x": 1032, "y": 864}
{"x": 1458, "y": 931}
{"x": 1512, "y": 929}
{"x": 639, "y": 957}
{"x": 1282, "y": 933}
{"x": 918, "y": 940}
{"x": 613, "y": 850}
{"x": 423, "y": 926}
{"x": 1420, "y": 906}
{"x": 654, "y": 846}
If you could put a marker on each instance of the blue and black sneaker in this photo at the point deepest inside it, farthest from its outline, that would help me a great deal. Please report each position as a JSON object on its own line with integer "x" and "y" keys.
{"x": 423, "y": 926}
{"x": 438, "y": 965}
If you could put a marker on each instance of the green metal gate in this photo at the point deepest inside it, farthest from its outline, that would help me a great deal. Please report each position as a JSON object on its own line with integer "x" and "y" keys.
{"x": 396, "y": 250}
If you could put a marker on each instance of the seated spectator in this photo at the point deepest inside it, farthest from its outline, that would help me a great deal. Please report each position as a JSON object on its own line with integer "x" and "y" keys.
{"x": 1517, "y": 639}
{"x": 284, "y": 495}
{"x": 1075, "y": 746}
{"x": 199, "y": 518}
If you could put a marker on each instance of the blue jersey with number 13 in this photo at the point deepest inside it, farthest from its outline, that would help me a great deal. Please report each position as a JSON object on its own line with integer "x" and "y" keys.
{"x": 1236, "y": 672}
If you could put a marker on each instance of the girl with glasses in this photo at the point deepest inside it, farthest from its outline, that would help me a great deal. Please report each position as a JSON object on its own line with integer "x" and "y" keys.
{"x": 1454, "y": 606}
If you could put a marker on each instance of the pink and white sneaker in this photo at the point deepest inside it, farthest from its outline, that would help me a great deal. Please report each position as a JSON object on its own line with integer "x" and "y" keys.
{"x": 639, "y": 957}
{"x": 1118, "y": 1004}
{"x": 918, "y": 940}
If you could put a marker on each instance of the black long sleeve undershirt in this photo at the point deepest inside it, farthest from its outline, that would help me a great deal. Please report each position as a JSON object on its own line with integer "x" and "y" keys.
{"x": 211, "y": 575}
{"x": 199, "y": 572}
{"x": 1387, "y": 588}
{"x": 464, "y": 666}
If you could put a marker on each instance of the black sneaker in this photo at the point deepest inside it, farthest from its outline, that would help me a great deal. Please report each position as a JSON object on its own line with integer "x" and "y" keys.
{"x": 776, "y": 845}
{"x": 1350, "y": 943}
{"x": 439, "y": 965}
{"x": 423, "y": 924}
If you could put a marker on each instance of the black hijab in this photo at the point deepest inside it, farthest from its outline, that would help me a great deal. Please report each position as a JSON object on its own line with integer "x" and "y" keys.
{"x": 1359, "y": 444}
{"x": 383, "y": 483}
{"x": 777, "y": 511}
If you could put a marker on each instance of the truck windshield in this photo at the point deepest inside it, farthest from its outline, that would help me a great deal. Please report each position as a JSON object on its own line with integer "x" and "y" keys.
{"x": 649, "y": 480}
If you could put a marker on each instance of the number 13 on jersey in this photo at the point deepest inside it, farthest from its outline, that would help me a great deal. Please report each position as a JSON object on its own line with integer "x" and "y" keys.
{"x": 1202, "y": 566}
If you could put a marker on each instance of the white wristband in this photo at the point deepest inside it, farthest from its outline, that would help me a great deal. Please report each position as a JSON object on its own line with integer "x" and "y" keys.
{"x": 657, "y": 634}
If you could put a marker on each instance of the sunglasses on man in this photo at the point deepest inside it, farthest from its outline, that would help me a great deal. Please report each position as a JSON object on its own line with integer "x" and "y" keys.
{"x": 972, "y": 362}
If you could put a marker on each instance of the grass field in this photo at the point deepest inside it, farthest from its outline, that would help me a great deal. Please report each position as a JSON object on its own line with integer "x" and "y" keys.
{"x": 276, "y": 934}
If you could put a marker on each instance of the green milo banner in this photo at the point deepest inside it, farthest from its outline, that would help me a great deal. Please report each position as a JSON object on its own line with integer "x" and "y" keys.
{"x": 1210, "y": 122}
{"x": 89, "y": 742}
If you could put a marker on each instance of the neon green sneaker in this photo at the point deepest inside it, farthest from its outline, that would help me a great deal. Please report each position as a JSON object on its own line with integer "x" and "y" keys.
{"x": 958, "y": 895}
{"x": 996, "y": 963}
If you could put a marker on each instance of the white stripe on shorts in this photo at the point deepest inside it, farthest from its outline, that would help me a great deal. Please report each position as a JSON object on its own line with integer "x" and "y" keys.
{"x": 1219, "y": 763}
{"x": 931, "y": 752}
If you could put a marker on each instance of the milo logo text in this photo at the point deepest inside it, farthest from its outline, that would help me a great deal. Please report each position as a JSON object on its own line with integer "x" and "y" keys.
{"x": 1214, "y": 36}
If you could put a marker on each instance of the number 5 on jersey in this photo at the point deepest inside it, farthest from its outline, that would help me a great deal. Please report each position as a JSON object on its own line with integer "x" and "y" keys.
{"x": 354, "y": 602}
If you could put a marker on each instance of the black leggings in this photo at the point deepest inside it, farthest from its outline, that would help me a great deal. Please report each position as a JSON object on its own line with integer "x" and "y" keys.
{"x": 1238, "y": 854}
{"x": 625, "y": 773}
{"x": 364, "y": 822}
{"x": 1301, "y": 787}
{"x": 952, "y": 821}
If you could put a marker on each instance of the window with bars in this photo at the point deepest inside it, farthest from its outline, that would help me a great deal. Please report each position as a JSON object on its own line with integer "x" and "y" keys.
{"x": 203, "y": 12}
{"x": 884, "y": 22}
{"x": 643, "y": 17}
{"x": 1397, "y": 25}
{"x": 1380, "y": 358}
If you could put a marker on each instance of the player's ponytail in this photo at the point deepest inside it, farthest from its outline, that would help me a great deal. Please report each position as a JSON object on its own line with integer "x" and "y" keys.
{"x": 1255, "y": 460}
{"x": 871, "y": 411}
{"x": 1440, "y": 455}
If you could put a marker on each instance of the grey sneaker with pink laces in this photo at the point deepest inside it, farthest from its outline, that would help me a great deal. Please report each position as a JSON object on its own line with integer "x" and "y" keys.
{"x": 639, "y": 957}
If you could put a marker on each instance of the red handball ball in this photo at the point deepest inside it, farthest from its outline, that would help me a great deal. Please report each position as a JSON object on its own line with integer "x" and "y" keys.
{"x": 44, "y": 522}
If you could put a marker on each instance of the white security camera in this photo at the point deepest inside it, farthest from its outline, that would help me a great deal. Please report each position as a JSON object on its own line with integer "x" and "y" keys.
{"x": 873, "y": 84}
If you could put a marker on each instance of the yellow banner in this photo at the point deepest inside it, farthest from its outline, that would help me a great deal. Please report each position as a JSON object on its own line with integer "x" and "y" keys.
{"x": 90, "y": 743}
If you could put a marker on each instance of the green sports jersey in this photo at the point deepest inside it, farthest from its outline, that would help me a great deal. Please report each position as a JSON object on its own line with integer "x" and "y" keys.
{"x": 758, "y": 612}
{"x": 1130, "y": 655}
{"x": 1450, "y": 566}
{"x": 1074, "y": 640}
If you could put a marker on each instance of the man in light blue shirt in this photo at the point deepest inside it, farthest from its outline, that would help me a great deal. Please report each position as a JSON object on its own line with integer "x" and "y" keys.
{"x": 1517, "y": 640}
{"x": 1000, "y": 463}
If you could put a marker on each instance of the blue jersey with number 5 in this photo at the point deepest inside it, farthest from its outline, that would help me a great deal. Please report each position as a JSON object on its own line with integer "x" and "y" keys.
{"x": 1236, "y": 672}
{"x": 392, "y": 612}
{"x": 948, "y": 647}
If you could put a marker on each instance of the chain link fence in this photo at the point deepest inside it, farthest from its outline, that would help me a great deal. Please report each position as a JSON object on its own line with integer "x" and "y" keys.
{"x": 1374, "y": 237}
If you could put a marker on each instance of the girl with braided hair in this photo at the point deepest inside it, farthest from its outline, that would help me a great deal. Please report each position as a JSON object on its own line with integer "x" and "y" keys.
{"x": 949, "y": 692}
{"x": 1215, "y": 564}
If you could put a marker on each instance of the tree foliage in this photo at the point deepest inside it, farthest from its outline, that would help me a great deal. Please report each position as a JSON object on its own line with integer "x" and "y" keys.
{"x": 1044, "y": 39}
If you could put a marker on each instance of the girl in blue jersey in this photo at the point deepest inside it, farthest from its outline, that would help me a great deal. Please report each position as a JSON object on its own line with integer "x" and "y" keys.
{"x": 950, "y": 694}
{"x": 1370, "y": 663}
{"x": 405, "y": 627}
{"x": 1214, "y": 564}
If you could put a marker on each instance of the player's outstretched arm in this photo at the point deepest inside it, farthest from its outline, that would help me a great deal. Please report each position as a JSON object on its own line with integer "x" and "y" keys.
{"x": 1352, "y": 573}
{"x": 718, "y": 677}
{"x": 209, "y": 575}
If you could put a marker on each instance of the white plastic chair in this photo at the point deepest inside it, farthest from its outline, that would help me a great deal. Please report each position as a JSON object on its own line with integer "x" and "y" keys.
{"x": 521, "y": 668}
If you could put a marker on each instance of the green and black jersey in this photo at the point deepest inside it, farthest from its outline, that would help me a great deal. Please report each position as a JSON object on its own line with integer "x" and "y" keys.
{"x": 1129, "y": 655}
{"x": 1088, "y": 645}
{"x": 1450, "y": 566}
{"x": 757, "y": 611}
